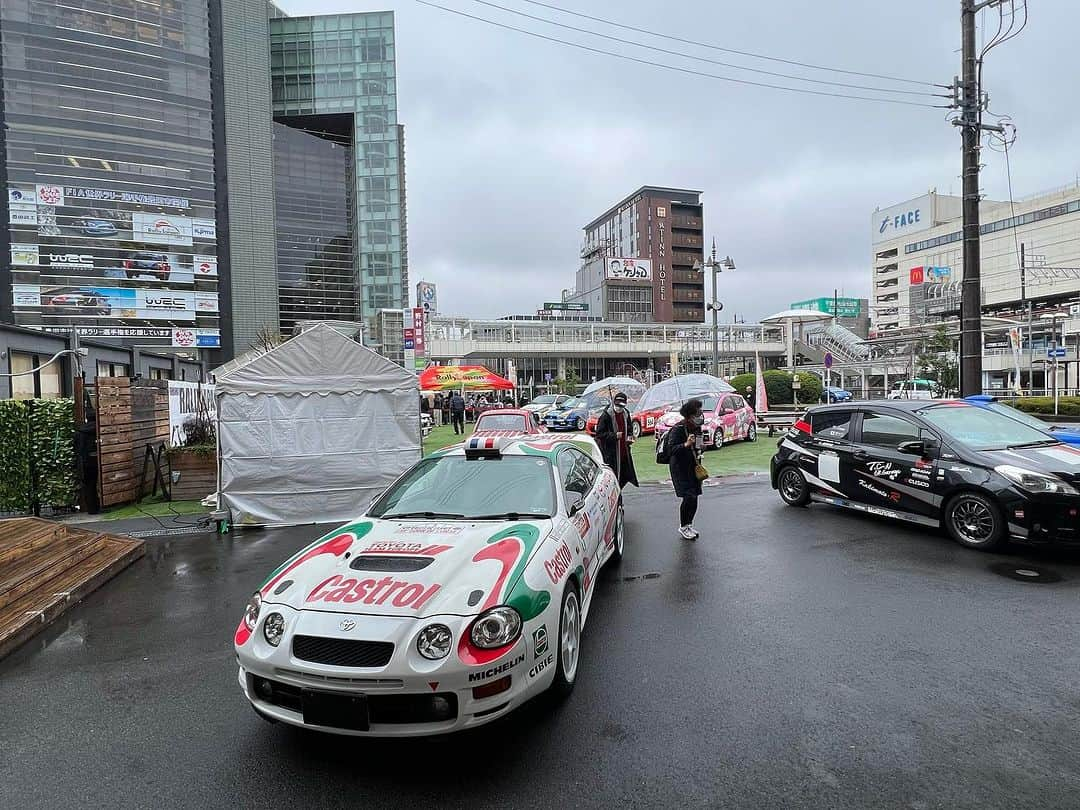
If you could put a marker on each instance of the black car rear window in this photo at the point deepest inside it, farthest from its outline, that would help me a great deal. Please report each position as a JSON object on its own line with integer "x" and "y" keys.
{"x": 831, "y": 424}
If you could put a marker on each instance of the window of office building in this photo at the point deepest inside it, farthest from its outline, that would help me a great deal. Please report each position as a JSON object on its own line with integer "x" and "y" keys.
{"x": 33, "y": 380}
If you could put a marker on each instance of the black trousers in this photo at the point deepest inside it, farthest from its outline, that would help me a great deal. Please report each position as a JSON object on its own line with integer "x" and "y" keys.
{"x": 687, "y": 510}
{"x": 458, "y": 419}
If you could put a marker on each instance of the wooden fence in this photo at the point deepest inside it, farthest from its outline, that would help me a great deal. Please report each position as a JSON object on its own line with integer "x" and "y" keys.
{"x": 131, "y": 414}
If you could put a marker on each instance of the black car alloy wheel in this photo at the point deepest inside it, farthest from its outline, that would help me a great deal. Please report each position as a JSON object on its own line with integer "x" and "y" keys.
{"x": 793, "y": 486}
{"x": 974, "y": 521}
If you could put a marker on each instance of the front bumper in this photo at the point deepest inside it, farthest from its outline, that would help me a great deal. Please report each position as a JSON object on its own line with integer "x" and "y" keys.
{"x": 408, "y": 697}
{"x": 1042, "y": 518}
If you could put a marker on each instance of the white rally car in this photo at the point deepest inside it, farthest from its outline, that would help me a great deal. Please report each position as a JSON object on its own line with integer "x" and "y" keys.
{"x": 460, "y": 594}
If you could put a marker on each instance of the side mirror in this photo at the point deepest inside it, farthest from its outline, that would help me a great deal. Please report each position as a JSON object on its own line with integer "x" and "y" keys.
{"x": 577, "y": 506}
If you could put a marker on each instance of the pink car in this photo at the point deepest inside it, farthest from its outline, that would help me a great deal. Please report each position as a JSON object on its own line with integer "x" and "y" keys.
{"x": 728, "y": 418}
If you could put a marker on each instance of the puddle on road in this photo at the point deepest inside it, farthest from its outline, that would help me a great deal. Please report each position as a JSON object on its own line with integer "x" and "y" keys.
{"x": 1023, "y": 572}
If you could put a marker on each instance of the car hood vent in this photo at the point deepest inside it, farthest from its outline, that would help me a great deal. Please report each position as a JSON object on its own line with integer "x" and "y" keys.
{"x": 379, "y": 562}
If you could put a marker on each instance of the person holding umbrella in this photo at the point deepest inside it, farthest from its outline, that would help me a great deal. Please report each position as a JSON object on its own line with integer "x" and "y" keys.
{"x": 614, "y": 438}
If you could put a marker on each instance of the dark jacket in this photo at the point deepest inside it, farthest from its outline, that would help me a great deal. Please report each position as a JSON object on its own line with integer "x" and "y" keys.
{"x": 683, "y": 462}
{"x": 751, "y": 397}
{"x": 609, "y": 447}
{"x": 457, "y": 403}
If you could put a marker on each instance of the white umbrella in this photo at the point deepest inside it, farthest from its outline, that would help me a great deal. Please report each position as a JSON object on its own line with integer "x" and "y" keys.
{"x": 679, "y": 388}
{"x": 612, "y": 385}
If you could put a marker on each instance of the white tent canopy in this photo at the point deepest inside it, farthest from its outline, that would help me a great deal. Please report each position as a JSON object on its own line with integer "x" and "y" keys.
{"x": 313, "y": 429}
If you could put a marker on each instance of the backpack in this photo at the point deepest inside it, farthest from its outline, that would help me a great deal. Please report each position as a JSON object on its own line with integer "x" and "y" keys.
{"x": 663, "y": 453}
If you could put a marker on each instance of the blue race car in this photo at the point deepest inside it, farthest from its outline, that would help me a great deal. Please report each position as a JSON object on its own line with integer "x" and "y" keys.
{"x": 571, "y": 415}
{"x": 831, "y": 393}
{"x": 1063, "y": 433}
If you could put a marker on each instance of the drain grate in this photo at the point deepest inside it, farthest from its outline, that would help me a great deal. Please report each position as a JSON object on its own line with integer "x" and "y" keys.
{"x": 1026, "y": 573}
{"x": 168, "y": 532}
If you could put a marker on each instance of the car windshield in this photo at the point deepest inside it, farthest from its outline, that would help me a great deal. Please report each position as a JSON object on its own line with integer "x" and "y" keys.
{"x": 574, "y": 402}
{"x": 546, "y": 399}
{"x": 983, "y": 429}
{"x": 454, "y": 487}
{"x": 501, "y": 421}
{"x": 1019, "y": 416}
{"x": 709, "y": 403}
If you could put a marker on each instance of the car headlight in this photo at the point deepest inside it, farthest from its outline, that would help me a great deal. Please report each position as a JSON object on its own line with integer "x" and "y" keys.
{"x": 274, "y": 629}
{"x": 251, "y": 612}
{"x": 496, "y": 628}
{"x": 434, "y": 642}
{"x": 1033, "y": 481}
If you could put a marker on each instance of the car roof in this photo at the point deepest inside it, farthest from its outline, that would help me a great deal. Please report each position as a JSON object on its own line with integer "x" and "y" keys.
{"x": 544, "y": 444}
{"x": 894, "y": 404}
{"x": 504, "y": 412}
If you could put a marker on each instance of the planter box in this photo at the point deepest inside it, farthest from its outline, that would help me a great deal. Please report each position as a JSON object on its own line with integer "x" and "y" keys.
{"x": 198, "y": 474}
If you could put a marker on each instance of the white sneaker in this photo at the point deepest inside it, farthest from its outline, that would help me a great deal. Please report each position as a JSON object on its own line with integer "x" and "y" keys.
{"x": 695, "y": 532}
{"x": 687, "y": 533}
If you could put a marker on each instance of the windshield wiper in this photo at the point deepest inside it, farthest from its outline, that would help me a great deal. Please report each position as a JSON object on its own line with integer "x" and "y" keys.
{"x": 1040, "y": 443}
{"x": 428, "y": 515}
{"x": 511, "y": 516}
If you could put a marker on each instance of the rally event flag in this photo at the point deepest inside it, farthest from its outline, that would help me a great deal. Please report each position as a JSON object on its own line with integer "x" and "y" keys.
{"x": 761, "y": 397}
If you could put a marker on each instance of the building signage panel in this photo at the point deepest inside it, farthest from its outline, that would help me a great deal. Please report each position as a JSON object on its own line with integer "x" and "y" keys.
{"x": 132, "y": 197}
{"x": 629, "y": 269}
{"x": 21, "y": 195}
{"x": 556, "y": 306}
{"x": 205, "y": 266}
{"x": 22, "y": 214}
{"x": 418, "y": 328}
{"x": 427, "y": 297}
{"x": 840, "y": 307}
{"x": 917, "y": 276}
{"x": 26, "y": 295}
{"x": 902, "y": 220}
{"x": 204, "y": 229}
{"x": 206, "y": 302}
{"x": 49, "y": 195}
{"x": 161, "y": 229}
{"x": 66, "y": 261}
{"x": 24, "y": 255}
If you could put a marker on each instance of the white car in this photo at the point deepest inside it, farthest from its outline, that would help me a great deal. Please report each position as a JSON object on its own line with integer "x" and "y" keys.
{"x": 459, "y": 595}
{"x": 546, "y": 403}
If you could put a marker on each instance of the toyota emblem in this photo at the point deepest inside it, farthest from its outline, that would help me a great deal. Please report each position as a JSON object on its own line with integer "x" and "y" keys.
{"x": 347, "y": 624}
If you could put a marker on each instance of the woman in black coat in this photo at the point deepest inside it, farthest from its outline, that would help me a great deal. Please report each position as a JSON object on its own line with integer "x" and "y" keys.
{"x": 684, "y": 453}
{"x": 614, "y": 436}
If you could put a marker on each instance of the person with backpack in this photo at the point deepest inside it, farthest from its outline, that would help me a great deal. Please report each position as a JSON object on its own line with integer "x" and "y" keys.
{"x": 681, "y": 449}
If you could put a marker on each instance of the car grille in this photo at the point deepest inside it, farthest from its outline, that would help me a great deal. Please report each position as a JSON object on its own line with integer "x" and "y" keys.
{"x": 342, "y": 652}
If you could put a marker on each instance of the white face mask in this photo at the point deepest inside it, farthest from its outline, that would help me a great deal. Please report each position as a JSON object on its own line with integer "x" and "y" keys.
{"x": 620, "y": 407}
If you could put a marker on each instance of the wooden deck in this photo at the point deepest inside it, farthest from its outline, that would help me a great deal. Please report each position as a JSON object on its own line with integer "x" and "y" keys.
{"x": 46, "y": 567}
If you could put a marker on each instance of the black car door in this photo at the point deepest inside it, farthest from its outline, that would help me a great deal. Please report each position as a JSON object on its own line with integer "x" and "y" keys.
{"x": 830, "y": 444}
{"x": 887, "y": 476}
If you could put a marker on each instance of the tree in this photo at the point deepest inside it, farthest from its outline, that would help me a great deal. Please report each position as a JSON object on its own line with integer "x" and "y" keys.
{"x": 936, "y": 360}
{"x": 266, "y": 338}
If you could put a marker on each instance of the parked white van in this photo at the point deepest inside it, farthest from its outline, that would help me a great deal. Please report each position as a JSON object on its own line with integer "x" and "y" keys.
{"x": 914, "y": 389}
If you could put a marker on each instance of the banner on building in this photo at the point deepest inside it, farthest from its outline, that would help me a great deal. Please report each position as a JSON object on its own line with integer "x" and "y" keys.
{"x": 161, "y": 229}
{"x": 205, "y": 266}
{"x": 419, "y": 325}
{"x": 24, "y": 255}
{"x": 204, "y": 229}
{"x": 629, "y": 269}
{"x": 26, "y": 295}
{"x": 117, "y": 302}
{"x": 196, "y": 338}
{"x": 132, "y": 197}
{"x": 22, "y": 214}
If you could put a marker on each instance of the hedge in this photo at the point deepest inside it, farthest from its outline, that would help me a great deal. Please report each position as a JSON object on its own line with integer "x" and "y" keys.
{"x": 1067, "y": 406}
{"x": 38, "y": 435}
{"x": 778, "y": 386}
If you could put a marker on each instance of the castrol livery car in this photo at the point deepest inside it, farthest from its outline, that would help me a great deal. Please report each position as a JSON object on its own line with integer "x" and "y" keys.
{"x": 460, "y": 594}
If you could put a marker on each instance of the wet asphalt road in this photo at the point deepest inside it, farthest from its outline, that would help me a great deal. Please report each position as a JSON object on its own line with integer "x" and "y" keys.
{"x": 789, "y": 658}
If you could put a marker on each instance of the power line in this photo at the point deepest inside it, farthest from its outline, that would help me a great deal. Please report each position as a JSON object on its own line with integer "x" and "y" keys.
{"x": 675, "y": 68}
{"x": 732, "y": 50}
{"x": 706, "y": 59}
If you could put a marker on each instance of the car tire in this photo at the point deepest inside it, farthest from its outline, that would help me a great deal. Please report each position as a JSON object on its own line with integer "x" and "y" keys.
{"x": 792, "y": 485}
{"x": 751, "y": 433}
{"x": 974, "y": 521}
{"x": 635, "y": 429}
{"x": 567, "y": 655}
{"x": 620, "y": 535}
{"x": 581, "y": 423}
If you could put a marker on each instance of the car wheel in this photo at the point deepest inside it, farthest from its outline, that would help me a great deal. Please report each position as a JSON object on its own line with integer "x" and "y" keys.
{"x": 620, "y": 536}
{"x": 581, "y": 423}
{"x": 566, "y": 663}
{"x": 635, "y": 429}
{"x": 974, "y": 521}
{"x": 793, "y": 486}
{"x": 751, "y": 433}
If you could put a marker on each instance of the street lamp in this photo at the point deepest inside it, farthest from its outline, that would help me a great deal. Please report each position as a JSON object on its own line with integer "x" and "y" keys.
{"x": 717, "y": 266}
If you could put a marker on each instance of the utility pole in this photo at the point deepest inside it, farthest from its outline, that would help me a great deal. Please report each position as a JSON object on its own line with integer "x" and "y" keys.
{"x": 717, "y": 267}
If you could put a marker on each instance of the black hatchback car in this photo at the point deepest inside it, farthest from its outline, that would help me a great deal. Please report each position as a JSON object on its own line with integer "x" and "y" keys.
{"x": 982, "y": 476}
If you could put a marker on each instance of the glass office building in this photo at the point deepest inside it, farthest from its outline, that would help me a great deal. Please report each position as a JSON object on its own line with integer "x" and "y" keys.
{"x": 333, "y": 77}
{"x": 108, "y": 215}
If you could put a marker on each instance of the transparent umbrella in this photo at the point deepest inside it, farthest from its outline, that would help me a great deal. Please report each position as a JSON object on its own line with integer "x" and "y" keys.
{"x": 612, "y": 385}
{"x": 682, "y": 387}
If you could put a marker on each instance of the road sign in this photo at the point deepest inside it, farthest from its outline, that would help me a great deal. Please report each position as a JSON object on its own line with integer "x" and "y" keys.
{"x": 565, "y": 307}
{"x": 1058, "y": 352}
{"x": 828, "y": 359}
{"x": 1074, "y": 309}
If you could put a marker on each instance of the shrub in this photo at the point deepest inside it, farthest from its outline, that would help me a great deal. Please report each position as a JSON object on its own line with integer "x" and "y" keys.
{"x": 778, "y": 386}
{"x": 14, "y": 456}
{"x": 38, "y": 435}
{"x": 1067, "y": 406}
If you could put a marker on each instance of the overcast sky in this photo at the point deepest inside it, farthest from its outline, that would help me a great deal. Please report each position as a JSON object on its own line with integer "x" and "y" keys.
{"x": 513, "y": 143}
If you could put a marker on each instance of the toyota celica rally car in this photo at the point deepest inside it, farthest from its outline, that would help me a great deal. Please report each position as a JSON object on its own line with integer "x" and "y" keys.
{"x": 459, "y": 595}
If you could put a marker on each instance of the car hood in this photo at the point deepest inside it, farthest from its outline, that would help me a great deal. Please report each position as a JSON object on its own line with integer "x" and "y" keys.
{"x": 408, "y": 568}
{"x": 1055, "y": 459}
